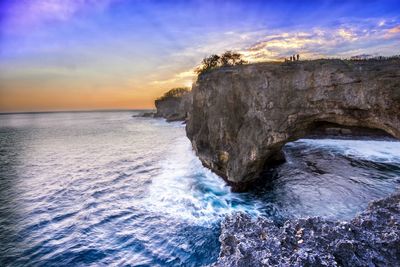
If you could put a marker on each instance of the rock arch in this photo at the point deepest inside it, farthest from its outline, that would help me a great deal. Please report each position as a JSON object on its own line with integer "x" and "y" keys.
{"x": 242, "y": 116}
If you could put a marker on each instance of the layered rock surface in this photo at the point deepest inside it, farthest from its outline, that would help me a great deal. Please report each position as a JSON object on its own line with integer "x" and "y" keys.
{"x": 174, "y": 108}
{"x": 242, "y": 116}
{"x": 370, "y": 239}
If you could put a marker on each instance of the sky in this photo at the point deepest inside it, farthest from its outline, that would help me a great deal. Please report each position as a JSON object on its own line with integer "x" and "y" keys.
{"x": 122, "y": 54}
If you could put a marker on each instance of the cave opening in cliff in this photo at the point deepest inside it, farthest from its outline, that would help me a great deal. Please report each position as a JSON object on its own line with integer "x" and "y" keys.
{"x": 333, "y": 177}
{"x": 323, "y": 130}
{"x": 326, "y": 149}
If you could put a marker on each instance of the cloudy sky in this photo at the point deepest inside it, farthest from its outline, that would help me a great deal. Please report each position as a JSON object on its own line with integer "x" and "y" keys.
{"x": 111, "y": 54}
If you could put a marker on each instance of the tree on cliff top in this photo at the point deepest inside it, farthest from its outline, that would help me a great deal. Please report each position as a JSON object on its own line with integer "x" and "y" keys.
{"x": 208, "y": 63}
{"x": 175, "y": 92}
{"x": 228, "y": 58}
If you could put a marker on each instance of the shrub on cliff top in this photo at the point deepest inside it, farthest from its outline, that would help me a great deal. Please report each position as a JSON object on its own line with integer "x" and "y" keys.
{"x": 208, "y": 63}
{"x": 175, "y": 92}
{"x": 228, "y": 58}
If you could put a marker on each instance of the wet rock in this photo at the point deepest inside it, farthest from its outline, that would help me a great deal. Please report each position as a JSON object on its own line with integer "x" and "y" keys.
{"x": 371, "y": 239}
{"x": 242, "y": 116}
{"x": 145, "y": 115}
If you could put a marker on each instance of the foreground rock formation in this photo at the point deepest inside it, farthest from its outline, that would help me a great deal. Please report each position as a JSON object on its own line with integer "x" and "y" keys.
{"x": 174, "y": 108}
{"x": 242, "y": 116}
{"x": 370, "y": 239}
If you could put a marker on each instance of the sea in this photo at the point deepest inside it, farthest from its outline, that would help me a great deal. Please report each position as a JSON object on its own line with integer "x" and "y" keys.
{"x": 111, "y": 189}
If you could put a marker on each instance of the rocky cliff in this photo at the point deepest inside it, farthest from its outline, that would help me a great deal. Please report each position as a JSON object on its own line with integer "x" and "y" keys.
{"x": 370, "y": 239}
{"x": 242, "y": 116}
{"x": 174, "y": 108}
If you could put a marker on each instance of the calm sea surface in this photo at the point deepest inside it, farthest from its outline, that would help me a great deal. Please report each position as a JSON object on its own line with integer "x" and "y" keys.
{"x": 105, "y": 188}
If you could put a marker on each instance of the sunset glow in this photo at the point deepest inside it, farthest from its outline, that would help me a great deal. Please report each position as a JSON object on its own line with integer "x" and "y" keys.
{"x": 116, "y": 54}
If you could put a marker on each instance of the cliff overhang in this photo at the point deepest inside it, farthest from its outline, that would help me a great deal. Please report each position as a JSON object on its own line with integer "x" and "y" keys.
{"x": 242, "y": 116}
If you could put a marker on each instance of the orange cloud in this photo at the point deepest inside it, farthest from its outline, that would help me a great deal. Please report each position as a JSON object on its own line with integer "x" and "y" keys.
{"x": 183, "y": 78}
{"x": 394, "y": 30}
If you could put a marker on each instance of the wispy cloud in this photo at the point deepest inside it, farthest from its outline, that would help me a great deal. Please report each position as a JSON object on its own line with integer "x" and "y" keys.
{"x": 22, "y": 16}
{"x": 328, "y": 42}
{"x": 146, "y": 47}
{"x": 184, "y": 78}
{"x": 344, "y": 40}
{"x": 393, "y": 31}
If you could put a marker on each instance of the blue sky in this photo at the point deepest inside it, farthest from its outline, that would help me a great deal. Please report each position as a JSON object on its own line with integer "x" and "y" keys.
{"x": 86, "y": 54}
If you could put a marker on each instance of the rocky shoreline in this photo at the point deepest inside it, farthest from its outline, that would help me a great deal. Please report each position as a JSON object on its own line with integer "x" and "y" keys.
{"x": 371, "y": 239}
{"x": 238, "y": 120}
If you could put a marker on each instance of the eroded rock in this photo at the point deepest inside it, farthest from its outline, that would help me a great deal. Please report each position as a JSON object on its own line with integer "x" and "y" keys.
{"x": 370, "y": 239}
{"x": 242, "y": 116}
{"x": 174, "y": 108}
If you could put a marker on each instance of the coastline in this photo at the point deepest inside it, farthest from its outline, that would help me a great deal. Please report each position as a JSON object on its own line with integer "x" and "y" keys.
{"x": 371, "y": 237}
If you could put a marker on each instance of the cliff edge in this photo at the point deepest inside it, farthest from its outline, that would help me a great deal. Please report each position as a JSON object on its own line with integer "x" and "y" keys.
{"x": 242, "y": 116}
{"x": 175, "y": 108}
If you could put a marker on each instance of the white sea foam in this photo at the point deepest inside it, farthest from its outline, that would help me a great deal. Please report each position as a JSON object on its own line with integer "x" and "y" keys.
{"x": 133, "y": 189}
{"x": 382, "y": 151}
{"x": 185, "y": 189}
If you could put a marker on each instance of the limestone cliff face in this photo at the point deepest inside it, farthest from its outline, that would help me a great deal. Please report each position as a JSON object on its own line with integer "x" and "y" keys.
{"x": 174, "y": 108}
{"x": 242, "y": 116}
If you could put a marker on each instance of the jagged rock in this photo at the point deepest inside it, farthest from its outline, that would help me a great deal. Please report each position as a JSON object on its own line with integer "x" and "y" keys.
{"x": 174, "y": 108}
{"x": 242, "y": 116}
{"x": 370, "y": 239}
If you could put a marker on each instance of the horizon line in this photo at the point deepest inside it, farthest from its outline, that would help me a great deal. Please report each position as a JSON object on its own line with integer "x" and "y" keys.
{"x": 70, "y": 111}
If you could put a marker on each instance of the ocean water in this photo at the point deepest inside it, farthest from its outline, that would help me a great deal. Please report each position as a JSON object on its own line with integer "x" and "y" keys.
{"x": 109, "y": 189}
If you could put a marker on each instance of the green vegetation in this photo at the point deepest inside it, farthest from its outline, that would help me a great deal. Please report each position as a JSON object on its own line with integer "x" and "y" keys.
{"x": 174, "y": 93}
{"x": 228, "y": 58}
